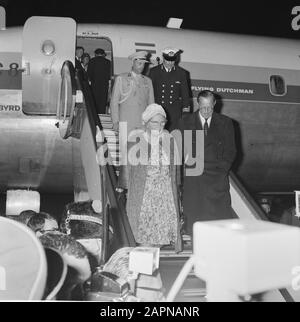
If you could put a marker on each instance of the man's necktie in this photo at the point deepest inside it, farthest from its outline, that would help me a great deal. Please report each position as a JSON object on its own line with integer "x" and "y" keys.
{"x": 205, "y": 127}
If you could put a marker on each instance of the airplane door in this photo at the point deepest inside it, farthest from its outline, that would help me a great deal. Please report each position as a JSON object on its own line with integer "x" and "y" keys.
{"x": 47, "y": 43}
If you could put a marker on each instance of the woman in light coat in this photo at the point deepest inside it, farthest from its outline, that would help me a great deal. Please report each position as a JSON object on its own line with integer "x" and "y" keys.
{"x": 152, "y": 183}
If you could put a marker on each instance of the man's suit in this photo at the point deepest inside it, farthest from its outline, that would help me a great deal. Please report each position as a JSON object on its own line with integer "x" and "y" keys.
{"x": 206, "y": 197}
{"x": 78, "y": 65}
{"x": 99, "y": 71}
{"x": 170, "y": 91}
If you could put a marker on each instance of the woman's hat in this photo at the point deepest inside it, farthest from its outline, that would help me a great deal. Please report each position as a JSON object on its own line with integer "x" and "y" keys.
{"x": 152, "y": 110}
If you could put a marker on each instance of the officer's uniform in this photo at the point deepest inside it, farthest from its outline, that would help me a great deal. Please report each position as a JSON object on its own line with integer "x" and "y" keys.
{"x": 131, "y": 94}
{"x": 171, "y": 91}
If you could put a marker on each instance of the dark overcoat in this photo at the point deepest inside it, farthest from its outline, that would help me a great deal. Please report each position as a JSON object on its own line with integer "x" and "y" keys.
{"x": 206, "y": 196}
{"x": 78, "y": 65}
{"x": 99, "y": 71}
{"x": 170, "y": 91}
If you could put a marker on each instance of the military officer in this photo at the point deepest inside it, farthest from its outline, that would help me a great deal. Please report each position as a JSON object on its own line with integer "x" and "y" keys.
{"x": 132, "y": 93}
{"x": 170, "y": 86}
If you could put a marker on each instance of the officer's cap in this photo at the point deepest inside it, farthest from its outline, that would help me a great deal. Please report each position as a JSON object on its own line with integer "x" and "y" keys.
{"x": 140, "y": 55}
{"x": 171, "y": 53}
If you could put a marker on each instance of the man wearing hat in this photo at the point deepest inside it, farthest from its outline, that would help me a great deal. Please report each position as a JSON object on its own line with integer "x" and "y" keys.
{"x": 170, "y": 86}
{"x": 99, "y": 71}
{"x": 132, "y": 93}
{"x": 265, "y": 204}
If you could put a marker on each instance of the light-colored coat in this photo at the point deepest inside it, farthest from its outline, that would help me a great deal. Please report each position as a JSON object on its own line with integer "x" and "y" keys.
{"x": 135, "y": 183}
{"x": 131, "y": 95}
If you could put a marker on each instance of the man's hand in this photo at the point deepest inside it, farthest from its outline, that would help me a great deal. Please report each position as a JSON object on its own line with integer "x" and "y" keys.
{"x": 186, "y": 109}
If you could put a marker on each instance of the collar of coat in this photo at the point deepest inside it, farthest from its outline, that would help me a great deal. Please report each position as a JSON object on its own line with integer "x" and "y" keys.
{"x": 164, "y": 68}
{"x": 132, "y": 76}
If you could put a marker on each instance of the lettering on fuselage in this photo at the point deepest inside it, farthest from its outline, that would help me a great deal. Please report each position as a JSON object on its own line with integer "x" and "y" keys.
{"x": 245, "y": 91}
{"x": 10, "y": 108}
{"x": 90, "y": 33}
{"x": 224, "y": 90}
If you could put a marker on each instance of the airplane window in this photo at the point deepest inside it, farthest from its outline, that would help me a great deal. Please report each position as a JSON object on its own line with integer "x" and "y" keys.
{"x": 277, "y": 85}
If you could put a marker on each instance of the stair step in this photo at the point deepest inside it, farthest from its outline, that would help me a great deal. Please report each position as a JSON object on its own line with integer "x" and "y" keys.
{"x": 112, "y": 139}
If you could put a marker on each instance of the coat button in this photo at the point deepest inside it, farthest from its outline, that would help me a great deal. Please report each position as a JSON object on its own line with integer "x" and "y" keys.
{"x": 171, "y": 91}
{"x": 172, "y": 86}
{"x": 171, "y": 96}
{"x": 162, "y": 97}
{"x": 170, "y": 102}
{"x": 163, "y": 85}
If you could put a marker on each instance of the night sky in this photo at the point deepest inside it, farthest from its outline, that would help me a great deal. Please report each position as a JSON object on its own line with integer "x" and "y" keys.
{"x": 246, "y": 17}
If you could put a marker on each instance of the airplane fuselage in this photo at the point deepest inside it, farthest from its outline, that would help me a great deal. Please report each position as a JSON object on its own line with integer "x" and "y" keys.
{"x": 257, "y": 80}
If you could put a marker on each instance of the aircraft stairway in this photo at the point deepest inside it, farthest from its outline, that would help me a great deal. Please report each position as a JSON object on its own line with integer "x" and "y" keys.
{"x": 112, "y": 139}
{"x": 110, "y": 198}
{"x": 80, "y": 121}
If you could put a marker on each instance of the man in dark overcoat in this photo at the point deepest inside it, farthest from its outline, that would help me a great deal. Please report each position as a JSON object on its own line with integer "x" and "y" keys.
{"x": 170, "y": 86}
{"x": 99, "y": 72}
{"x": 78, "y": 54}
{"x": 206, "y": 196}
